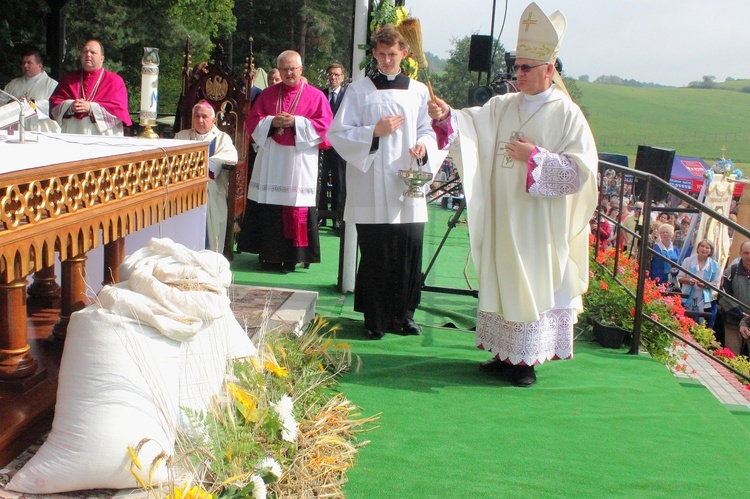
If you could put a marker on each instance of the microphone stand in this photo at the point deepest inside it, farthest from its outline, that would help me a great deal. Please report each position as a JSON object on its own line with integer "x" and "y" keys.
{"x": 21, "y": 119}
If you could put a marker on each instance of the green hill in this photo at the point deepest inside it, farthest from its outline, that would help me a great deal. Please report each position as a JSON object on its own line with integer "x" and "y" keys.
{"x": 737, "y": 85}
{"x": 694, "y": 122}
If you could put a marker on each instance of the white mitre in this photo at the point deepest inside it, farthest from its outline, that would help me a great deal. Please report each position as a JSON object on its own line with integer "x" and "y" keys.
{"x": 539, "y": 36}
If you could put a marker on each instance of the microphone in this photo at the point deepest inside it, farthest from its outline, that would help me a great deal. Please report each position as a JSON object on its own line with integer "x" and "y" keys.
{"x": 21, "y": 119}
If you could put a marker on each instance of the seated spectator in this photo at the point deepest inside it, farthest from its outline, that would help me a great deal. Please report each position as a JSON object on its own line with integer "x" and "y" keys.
{"x": 602, "y": 230}
{"x": 660, "y": 269}
{"x": 220, "y": 151}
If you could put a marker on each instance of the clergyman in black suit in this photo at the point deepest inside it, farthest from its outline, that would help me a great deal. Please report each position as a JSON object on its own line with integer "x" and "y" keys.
{"x": 331, "y": 163}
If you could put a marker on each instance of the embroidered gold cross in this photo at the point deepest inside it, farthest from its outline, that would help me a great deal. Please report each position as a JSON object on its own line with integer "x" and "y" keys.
{"x": 528, "y": 22}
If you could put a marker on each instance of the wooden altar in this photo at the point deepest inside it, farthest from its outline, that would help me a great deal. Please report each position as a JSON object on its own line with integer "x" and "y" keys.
{"x": 64, "y": 196}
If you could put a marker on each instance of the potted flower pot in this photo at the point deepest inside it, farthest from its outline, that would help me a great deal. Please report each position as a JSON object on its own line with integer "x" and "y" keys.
{"x": 609, "y": 336}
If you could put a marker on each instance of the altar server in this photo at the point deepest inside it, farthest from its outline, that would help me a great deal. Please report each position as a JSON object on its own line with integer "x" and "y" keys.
{"x": 382, "y": 127}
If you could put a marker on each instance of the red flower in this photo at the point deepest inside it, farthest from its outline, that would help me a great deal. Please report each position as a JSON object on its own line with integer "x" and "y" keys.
{"x": 603, "y": 285}
{"x": 724, "y": 352}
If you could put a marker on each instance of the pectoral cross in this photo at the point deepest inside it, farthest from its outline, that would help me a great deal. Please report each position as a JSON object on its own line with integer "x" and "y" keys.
{"x": 507, "y": 161}
{"x": 501, "y": 151}
{"x": 280, "y": 131}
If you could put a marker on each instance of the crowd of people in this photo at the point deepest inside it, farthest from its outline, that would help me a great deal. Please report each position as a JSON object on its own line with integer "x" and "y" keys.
{"x": 697, "y": 272}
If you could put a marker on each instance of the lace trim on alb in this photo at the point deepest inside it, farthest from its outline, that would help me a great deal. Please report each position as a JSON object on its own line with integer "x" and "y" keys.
{"x": 555, "y": 175}
{"x": 549, "y": 338}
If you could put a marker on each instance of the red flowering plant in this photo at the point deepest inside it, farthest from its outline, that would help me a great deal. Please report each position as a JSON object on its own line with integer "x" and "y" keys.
{"x": 724, "y": 354}
{"x": 612, "y": 302}
{"x": 739, "y": 362}
{"x": 606, "y": 301}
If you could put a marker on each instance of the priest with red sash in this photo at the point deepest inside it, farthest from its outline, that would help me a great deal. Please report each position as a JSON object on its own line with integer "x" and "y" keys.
{"x": 288, "y": 122}
{"x": 92, "y": 101}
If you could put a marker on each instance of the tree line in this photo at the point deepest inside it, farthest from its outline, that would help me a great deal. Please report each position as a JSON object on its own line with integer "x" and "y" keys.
{"x": 321, "y": 30}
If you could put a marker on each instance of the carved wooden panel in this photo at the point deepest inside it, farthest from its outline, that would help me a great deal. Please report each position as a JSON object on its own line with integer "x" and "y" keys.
{"x": 75, "y": 207}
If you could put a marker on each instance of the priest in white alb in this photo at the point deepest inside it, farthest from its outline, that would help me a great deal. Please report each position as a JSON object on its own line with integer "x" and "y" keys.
{"x": 528, "y": 164}
{"x": 35, "y": 86}
{"x": 220, "y": 151}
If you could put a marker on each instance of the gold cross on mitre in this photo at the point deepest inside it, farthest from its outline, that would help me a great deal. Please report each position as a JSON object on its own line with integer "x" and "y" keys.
{"x": 528, "y": 22}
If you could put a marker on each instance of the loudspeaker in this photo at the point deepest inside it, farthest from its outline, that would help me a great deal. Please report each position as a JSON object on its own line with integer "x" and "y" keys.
{"x": 480, "y": 51}
{"x": 656, "y": 161}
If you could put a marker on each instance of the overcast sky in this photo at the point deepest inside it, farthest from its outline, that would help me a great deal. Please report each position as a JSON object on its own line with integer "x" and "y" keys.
{"x": 671, "y": 42}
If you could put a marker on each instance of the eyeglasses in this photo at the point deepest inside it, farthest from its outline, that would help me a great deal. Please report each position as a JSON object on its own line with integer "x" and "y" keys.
{"x": 526, "y": 68}
{"x": 290, "y": 70}
{"x": 335, "y": 74}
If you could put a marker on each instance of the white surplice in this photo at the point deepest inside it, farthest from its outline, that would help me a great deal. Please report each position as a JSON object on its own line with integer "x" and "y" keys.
{"x": 374, "y": 190}
{"x": 283, "y": 175}
{"x": 38, "y": 89}
{"x": 218, "y": 187}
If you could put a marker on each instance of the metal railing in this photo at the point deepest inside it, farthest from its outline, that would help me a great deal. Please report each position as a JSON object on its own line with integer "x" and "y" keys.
{"x": 646, "y": 185}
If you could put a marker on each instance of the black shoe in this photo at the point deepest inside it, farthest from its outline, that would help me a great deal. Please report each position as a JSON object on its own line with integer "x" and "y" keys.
{"x": 524, "y": 376}
{"x": 495, "y": 366}
{"x": 288, "y": 266}
{"x": 264, "y": 265}
{"x": 321, "y": 222}
{"x": 337, "y": 225}
{"x": 306, "y": 265}
{"x": 411, "y": 328}
{"x": 374, "y": 334}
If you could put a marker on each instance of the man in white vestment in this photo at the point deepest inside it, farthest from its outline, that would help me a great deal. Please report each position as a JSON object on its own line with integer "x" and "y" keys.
{"x": 528, "y": 163}
{"x": 92, "y": 101}
{"x": 220, "y": 151}
{"x": 35, "y": 86}
{"x": 380, "y": 128}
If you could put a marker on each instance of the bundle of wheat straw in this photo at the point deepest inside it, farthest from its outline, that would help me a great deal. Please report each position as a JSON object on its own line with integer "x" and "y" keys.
{"x": 411, "y": 30}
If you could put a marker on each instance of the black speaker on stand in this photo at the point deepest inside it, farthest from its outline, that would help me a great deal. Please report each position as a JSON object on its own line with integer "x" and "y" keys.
{"x": 480, "y": 52}
{"x": 657, "y": 161}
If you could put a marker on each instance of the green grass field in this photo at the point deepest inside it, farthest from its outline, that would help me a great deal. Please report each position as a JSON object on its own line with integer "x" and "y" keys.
{"x": 694, "y": 122}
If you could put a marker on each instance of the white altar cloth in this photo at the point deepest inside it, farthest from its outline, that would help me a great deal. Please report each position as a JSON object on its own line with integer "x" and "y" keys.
{"x": 44, "y": 149}
{"x": 187, "y": 228}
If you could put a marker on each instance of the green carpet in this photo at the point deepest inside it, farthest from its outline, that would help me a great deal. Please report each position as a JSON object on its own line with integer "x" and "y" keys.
{"x": 604, "y": 424}
{"x": 436, "y": 309}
